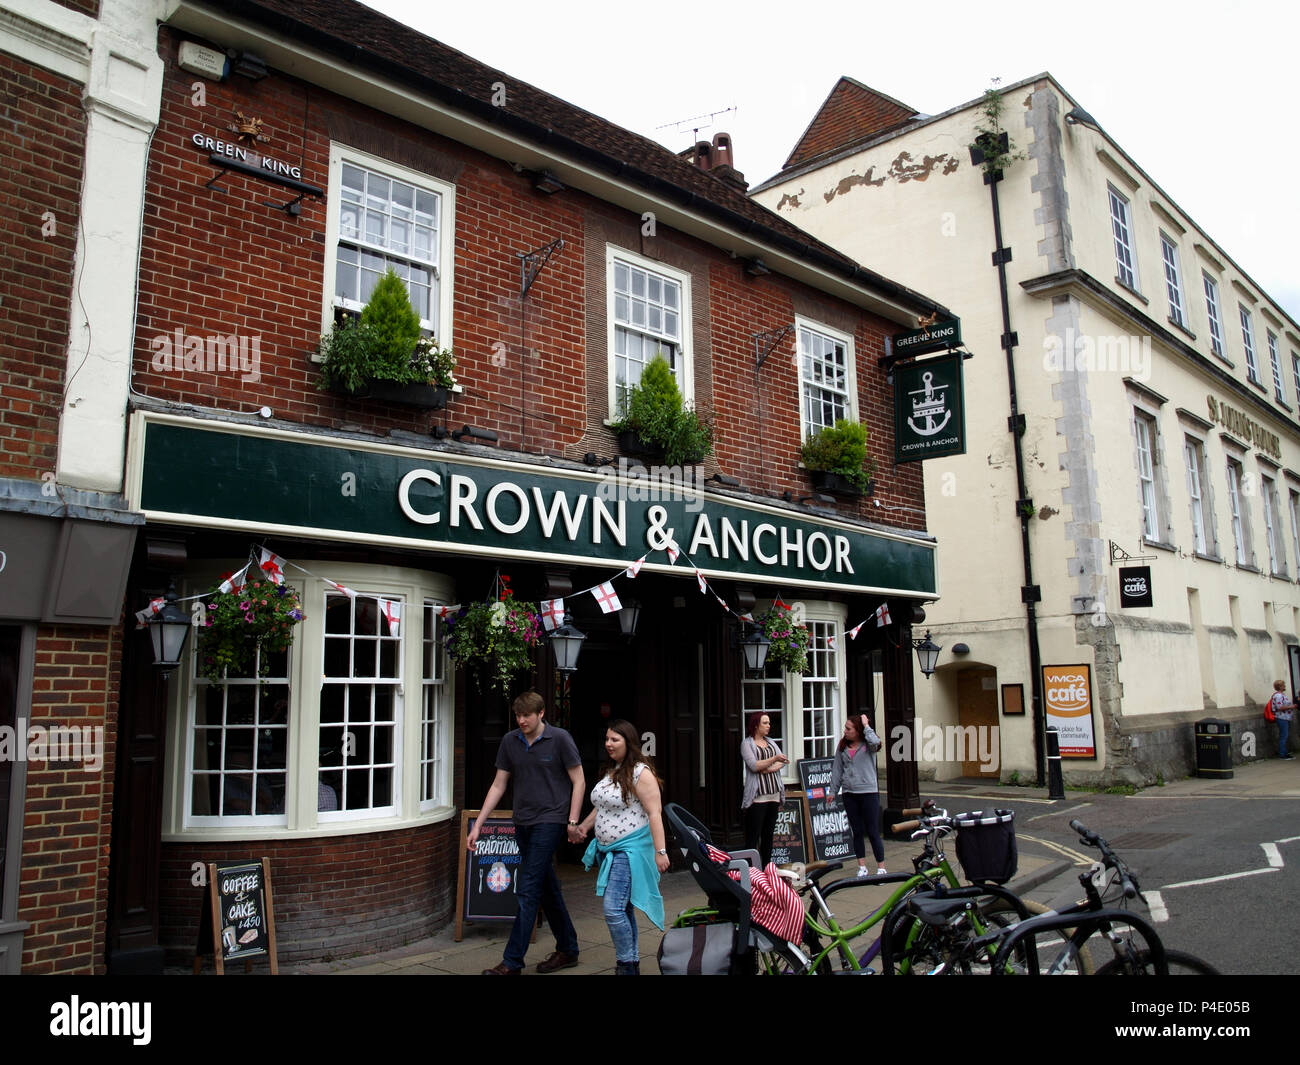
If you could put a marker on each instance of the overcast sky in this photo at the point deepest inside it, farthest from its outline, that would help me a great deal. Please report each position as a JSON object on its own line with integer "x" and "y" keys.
{"x": 1203, "y": 97}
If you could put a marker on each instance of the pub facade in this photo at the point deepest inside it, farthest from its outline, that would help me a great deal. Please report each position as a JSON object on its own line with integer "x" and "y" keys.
{"x": 294, "y": 163}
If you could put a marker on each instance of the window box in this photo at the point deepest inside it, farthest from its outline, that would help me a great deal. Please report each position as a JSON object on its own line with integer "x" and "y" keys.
{"x": 426, "y": 397}
{"x": 630, "y": 442}
{"x": 839, "y": 485}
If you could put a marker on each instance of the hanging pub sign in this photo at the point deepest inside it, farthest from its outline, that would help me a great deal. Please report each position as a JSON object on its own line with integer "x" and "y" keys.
{"x": 1135, "y": 586}
{"x": 938, "y": 336}
{"x": 1068, "y": 693}
{"x": 929, "y": 409}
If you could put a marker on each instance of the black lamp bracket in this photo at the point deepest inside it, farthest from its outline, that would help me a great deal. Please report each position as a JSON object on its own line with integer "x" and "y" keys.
{"x": 532, "y": 263}
{"x": 1118, "y": 554}
{"x": 292, "y": 207}
{"x": 765, "y": 344}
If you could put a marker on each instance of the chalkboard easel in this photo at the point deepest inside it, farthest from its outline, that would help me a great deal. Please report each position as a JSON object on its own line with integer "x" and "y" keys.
{"x": 486, "y": 880}
{"x": 239, "y": 903}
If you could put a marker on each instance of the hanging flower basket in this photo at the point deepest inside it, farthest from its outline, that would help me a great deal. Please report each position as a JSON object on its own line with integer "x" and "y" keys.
{"x": 494, "y": 641}
{"x": 788, "y": 642}
{"x": 261, "y": 613}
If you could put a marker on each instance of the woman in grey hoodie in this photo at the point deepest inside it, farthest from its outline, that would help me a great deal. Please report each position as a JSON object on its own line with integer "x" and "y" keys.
{"x": 855, "y": 771}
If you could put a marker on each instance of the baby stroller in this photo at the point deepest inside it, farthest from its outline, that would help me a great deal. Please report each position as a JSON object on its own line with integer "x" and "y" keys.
{"x": 721, "y": 938}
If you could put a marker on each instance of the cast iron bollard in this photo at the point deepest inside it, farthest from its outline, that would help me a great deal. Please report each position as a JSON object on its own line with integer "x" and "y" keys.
{"x": 1055, "y": 786}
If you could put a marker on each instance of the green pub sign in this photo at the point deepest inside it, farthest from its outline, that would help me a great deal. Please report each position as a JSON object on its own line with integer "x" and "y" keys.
{"x": 929, "y": 409}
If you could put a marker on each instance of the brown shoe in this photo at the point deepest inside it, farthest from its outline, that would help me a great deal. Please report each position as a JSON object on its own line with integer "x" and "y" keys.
{"x": 501, "y": 970}
{"x": 557, "y": 960}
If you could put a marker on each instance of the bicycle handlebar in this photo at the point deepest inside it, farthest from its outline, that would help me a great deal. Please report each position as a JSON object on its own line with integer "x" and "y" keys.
{"x": 1109, "y": 857}
{"x": 905, "y": 826}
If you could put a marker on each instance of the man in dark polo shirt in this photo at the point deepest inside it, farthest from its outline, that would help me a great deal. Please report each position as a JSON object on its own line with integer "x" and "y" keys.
{"x": 544, "y": 763}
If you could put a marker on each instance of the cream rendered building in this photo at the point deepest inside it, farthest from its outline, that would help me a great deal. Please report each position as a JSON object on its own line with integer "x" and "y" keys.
{"x": 1159, "y": 387}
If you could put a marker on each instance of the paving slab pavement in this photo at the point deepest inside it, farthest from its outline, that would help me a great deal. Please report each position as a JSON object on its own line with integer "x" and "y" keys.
{"x": 481, "y": 945}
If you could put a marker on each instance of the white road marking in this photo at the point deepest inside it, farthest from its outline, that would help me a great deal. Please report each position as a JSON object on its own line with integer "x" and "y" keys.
{"x": 1273, "y": 854}
{"x": 1058, "y": 813}
{"x": 1059, "y": 848}
{"x": 1156, "y": 906}
{"x": 1289, "y": 839}
{"x": 992, "y": 798}
{"x": 1219, "y": 879}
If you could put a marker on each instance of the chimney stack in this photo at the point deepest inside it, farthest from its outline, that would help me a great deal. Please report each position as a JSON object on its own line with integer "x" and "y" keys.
{"x": 716, "y": 158}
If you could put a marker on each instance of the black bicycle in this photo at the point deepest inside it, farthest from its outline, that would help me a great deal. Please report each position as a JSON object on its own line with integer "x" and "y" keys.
{"x": 1136, "y": 946}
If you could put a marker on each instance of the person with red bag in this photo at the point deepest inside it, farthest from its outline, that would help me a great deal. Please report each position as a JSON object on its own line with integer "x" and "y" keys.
{"x": 1279, "y": 708}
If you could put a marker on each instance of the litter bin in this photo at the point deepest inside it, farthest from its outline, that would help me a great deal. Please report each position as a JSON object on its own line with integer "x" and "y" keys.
{"x": 1214, "y": 749}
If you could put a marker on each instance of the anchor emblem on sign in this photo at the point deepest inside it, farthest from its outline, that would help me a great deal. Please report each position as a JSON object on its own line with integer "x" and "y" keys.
{"x": 928, "y": 403}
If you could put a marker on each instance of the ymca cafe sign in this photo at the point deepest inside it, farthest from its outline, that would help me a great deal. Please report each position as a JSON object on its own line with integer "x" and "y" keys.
{"x": 269, "y": 480}
{"x": 929, "y": 409}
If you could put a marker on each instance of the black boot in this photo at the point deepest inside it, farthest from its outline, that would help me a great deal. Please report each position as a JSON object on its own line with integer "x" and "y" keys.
{"x": 627, "y": 968}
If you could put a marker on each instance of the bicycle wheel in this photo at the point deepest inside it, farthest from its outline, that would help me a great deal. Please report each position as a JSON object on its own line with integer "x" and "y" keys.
{"x": 1180, "y": 964}
{"x": 1057, "y": 955}
{"x": 777, "y": 958}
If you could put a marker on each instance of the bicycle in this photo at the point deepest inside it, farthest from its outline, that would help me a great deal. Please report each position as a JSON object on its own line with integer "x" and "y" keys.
{"x": 1092, "y": 917}
{"x": 987, "y": 906}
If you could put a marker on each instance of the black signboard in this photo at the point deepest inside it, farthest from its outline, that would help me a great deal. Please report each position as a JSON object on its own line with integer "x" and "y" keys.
{"x": 829, "y": 825}
{"x": 1135, "y": 586}
{"x": 940, "y": 336}
{"x": 789, "y": 839}
{"x": 489, "y": 876}
{"x": 929, "y": 409}
{"x": 243, "y": 918}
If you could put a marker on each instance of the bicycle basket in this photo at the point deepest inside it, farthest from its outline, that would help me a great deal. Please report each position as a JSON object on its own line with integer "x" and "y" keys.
{"x": 986, "y": 845}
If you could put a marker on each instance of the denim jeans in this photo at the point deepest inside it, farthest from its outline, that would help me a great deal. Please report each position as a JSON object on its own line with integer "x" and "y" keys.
{"x": 1283, "y": 732}
{"x": 539, "y": 888}
{"x": 619, "y": 914}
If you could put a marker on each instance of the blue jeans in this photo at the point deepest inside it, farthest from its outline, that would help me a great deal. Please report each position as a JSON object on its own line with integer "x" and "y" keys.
{"x": 619, "y": 914}
{"x": 1283, "y": 732}
{"x": 539, "y": 888}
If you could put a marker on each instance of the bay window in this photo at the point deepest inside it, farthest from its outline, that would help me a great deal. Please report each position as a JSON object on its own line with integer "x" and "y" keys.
{"x": 349, "y": 728}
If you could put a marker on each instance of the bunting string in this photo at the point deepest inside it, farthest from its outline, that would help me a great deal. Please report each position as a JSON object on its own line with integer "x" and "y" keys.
{"x": 272, "y": 567}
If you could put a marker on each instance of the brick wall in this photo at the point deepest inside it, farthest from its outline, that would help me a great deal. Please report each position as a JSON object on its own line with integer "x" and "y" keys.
{"x": 534, "y": 371}
{"x": 333, "y": 896}
{"x": 42, "y": 137}
{"x": 851, "y": 113}
{"x": 64, "y": 879}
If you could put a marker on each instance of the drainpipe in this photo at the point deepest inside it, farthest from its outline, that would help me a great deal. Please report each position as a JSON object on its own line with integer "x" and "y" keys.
{"x": 1029, "y": 591}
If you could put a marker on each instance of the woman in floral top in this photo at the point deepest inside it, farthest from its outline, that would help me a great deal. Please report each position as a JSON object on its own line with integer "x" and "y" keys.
{"x": 627, "y": 817}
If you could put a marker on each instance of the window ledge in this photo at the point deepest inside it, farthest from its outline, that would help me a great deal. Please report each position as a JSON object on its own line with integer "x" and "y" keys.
{"x": 233, "y": 833}
{"x": 1257, "y": 384}
{"x": 1131, "y": 291}
{"x": 1208, "y": 558}
{"x": 1280, "y": 576}
{"x": 1182, "y": 328}
{"x": 1223, "y": 359}
{"x": 1161, "y": 544}
{"x": 1247, "y": 569}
